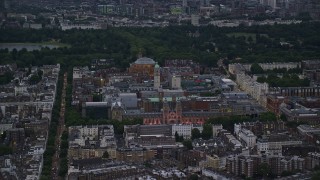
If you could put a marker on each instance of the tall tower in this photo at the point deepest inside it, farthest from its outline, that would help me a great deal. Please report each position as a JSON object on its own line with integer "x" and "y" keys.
{"x": 178, "y": 110}
{"x": 156, "y": 77}
{"x": 166, "y": 111}
{"x": 116, "y": 111}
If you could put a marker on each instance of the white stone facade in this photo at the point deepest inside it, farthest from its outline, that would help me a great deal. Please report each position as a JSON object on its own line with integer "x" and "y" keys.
{"x": 185, "y": 129}
{"x": 175, "y": 82}
{"x": 237, "y": 67}
{"x": 247, "y": 137}
{"x": 257, "y": 90}
{"x": 102, "y": 133}
{"x": 274, "y": 147}
{"x": 182, "y": 129}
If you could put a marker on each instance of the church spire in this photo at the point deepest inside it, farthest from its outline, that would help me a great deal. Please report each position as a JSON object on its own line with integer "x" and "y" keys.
{"x": 156, "y": 77}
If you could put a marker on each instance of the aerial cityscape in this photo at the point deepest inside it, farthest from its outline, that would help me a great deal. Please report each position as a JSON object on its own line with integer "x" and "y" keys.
{"x": 159, "y": 89}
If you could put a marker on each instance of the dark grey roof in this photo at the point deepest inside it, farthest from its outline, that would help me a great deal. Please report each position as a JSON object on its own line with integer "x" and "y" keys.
{"x": 145, "y": 60}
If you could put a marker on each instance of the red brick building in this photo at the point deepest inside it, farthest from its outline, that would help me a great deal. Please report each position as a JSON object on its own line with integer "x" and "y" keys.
{"x": 273, "y": 103}
{"x": 143, "y": 65}
{"x": 177, "y": 116}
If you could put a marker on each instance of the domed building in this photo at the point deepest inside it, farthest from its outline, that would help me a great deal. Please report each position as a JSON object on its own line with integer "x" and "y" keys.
{"x": 143, "y": 65}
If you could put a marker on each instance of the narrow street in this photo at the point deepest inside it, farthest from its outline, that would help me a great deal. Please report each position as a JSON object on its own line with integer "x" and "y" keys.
{"x": 60, "y": 129}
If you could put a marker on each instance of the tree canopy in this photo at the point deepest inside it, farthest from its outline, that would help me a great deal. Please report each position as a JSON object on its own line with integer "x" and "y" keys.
{"x": 267, "y": 116}
{"x": 4, "y": 150}
{"x": 105, "y": 155}
{"x": 207, "y": 131}
{"x": 6, "y": 78}
{"x": 195, "y": 133}
{"x": 256, "y": 69}
{"x": 287, "y": 80}
{"x": 252, "y": 44}
{"x": 179, "y": 138}
{"x": 188, "y": 144}
{"x": 316, "y": 175}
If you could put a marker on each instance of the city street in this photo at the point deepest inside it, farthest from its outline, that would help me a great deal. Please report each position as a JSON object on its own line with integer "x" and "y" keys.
{"x": 60, "y": 129}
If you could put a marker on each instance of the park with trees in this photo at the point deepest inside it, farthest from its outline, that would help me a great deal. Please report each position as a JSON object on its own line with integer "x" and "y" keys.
{"x": 202, "y": 44}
